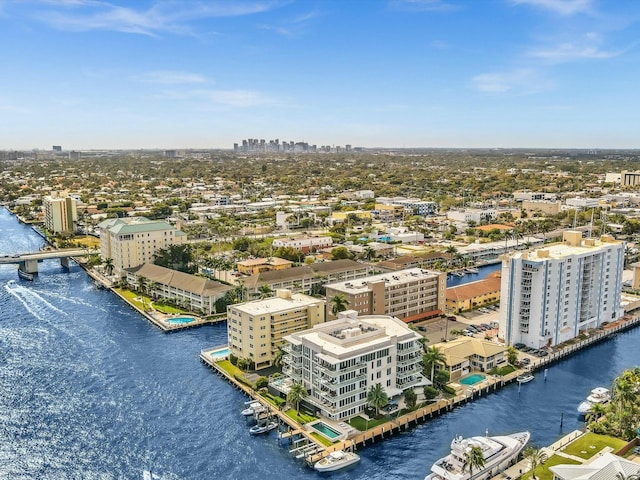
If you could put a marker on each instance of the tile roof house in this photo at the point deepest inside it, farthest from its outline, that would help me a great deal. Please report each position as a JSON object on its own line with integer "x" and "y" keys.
{"x": 465, "y": 355}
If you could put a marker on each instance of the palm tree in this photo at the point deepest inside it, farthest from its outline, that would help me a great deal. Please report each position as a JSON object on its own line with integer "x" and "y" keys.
{"x": 339, "y": 304}
{"x": 264, "y": 291}
{"x": 595, "y": 412}
{"x": 377, "y": 397}
{"x": 512, "y": 355}
{"x": 473, "y": 460}
{"x": 536, "y": 457}
{"x": 108, "y": 265}
{"x": 296, "y": 393}
{"x": 431, "y": 357}
{"x": 278, "y": 357}
{"x": 142, "y": 284}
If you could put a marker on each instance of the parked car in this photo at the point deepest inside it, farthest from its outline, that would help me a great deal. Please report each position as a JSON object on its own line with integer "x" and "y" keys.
{"x": 422, "y": 328}
{"x": 451, "y": 318}
{"x": 519, "y": 346}
{"x": 525, "y": 361}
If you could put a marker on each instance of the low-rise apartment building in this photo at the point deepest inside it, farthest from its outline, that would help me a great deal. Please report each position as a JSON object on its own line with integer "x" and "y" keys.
{"x": 338, "y": 362}
{"x": 465, "y": 355}
{"x": 196, "y": 294}
{"x": 256, "y": 329}
{"x": 473, "y": 294}
{"x": 412, "y": 294}
{"x": 257, "y": 265}
{"x": 304, "y": 244}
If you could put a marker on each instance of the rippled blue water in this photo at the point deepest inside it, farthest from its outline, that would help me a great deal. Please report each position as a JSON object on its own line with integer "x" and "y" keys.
{"x": 483, "y": 271}
{"x": 90, "y": 390}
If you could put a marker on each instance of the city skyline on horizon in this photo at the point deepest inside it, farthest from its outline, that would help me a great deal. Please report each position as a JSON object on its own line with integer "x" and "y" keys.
{"x": 538, "y": 74}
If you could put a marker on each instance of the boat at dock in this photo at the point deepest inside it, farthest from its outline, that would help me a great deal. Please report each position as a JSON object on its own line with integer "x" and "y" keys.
{"x": 336, "y": 460}
{"x": 253, "y": 408}
{"x": 525, "y": 377}
{"x": 471, "y": 270}
{"x": 499, "y": 452}
{"x": 263, "y": 428}
{"x": 25, "y": 275}
{"x": 598, "y": 395}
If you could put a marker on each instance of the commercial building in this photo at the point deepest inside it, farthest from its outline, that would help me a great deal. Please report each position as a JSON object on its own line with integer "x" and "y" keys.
{"x": 133, "y": 241}
{"x": 550, "y": 294}
{"x": 338, "y": 362}
{"x": 413, "y": 294}
{"x": 256, "y": 329}
{"x": 196, "y": 294}
{"x": 476, "y": 215}
{"x": 60, "y": 214}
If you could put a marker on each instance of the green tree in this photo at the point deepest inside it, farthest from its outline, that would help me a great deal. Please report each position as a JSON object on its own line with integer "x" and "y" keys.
{"x": 430, "y": 392}
{"x": 473, "y": 460}
{"x": 296, "y": 394}
{"x": 377, "y": 397}
{"x": 536, "y": 457}
{"x": 340, "y": 253}
{"x": 410, "y": 398}
{"x": 512, "y": 355}
{"x": 339, "y": 303}
{"x": 265, "y": 291}
{"x": 432, "y": 357}
{"x": 108, "y": 265}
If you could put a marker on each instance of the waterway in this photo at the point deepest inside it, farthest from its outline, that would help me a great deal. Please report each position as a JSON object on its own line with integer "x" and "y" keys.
{"x": 483, "y": 272}
{"x": 90, "y": 390}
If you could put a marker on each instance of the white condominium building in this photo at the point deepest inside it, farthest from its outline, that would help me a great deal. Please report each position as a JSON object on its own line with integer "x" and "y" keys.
{"x": 550, "y": 294}
{"x": 60, "y": 214}
{"x": 412, "y": 294}
{"x": 339, "y": 361}
{"x": 130, "y": 242}
{"x": 256, "y": 329}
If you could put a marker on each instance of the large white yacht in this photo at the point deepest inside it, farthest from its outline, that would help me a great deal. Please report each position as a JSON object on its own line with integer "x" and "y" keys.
{"x": 599, "y": 395}
{"x": 499, "y": 452}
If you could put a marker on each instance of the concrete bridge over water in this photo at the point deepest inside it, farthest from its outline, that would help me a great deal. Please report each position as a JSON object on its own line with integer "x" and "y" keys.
{"x": 28, "y": 262}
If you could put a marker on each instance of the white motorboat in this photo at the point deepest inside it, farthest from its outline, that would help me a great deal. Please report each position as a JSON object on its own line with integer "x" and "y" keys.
{"x": 336, "y": 460}
{"x": 264, "y": 428}
{"x": 598, "y": 395}
{"x": 25, "y": 275}
{"x": 253, "y": 408}
{"x": 525, "y": 377}
{"x": 499, "y": 452}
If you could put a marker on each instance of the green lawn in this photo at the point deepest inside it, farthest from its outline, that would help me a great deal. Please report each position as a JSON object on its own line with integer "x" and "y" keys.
{"x": 588, "y": 440}
{"x": 301, "y": 417}
{"x": 543, "y": 472}
{"x": 231, "y": 369}
{"x": 361, "y": 423}
{"x": 324, "y": 441}
{"x": 143, "y": 302}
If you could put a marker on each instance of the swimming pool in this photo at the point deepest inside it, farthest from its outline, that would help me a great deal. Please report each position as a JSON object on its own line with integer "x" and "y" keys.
{"x": 326, "y": 430}
{"x": 472, "y": 379}
{"x": 221, "y": 353}
{"x": 180, "y": 320}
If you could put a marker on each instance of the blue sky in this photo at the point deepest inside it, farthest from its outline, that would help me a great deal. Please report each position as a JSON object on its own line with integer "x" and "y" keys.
{"x": 391, "y": 73}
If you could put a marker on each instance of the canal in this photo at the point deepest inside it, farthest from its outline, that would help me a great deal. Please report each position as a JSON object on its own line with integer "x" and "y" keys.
{"x": 90, "y": 390}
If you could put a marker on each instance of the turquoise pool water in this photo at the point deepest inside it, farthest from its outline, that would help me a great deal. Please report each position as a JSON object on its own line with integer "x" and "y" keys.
{"x": 326, "y": 430}
{"x": 472, "y": 379}
{"x": 223, "y": 352}
{"x": 180, "y": 320}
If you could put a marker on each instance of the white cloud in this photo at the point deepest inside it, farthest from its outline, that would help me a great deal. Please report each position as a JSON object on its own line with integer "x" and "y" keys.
{"x": 519, "y": 82}
{"x": 222, "y": 98}
{"x": 163, "y": 16}
{"x": 578, "y": 48}
{"x": 562, "y": 7}
{"x": 168, "y": 77}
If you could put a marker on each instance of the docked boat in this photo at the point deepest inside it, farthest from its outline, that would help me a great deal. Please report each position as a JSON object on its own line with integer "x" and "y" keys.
{"x": 252, "y": 408}
{"x": 25, "y": 275}
{"x": 598, "y": 395}
{"x": 525, "y": 377}
{"x": 471, "y": 270}
{"x": 457, "y": 273}
{"x": 264, "y": 428}
{"x": 336, "y": 460}
{"x": 499, "y": 452}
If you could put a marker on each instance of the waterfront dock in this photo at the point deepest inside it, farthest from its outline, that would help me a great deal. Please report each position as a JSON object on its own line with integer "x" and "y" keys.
{"x": 427, "y": 412}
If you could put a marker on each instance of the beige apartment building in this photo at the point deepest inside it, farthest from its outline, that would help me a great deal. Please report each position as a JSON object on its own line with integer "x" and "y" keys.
{"x": 60, "y": 214}
{"x": 130, "y": 242}
{"x": 256, "y": 329}
{"x": 411, "y": 295}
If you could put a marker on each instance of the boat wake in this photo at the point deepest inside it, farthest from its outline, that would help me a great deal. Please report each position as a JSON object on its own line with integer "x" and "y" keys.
{"x": 32, "y": 301}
